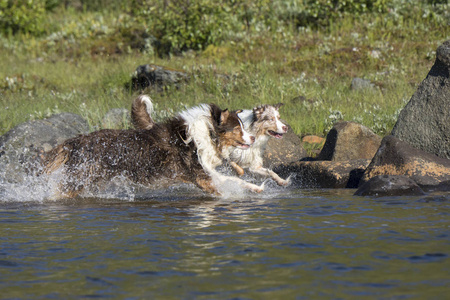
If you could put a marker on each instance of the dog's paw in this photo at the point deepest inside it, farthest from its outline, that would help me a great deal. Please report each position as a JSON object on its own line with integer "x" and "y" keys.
{"x": 262, "y": 186}
{"x": 256, "y": 189}
{"x": 240, "y": 172}
{"x": 285, "y": 182}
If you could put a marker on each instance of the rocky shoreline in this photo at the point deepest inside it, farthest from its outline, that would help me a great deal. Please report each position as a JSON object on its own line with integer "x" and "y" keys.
{"x": 413, "y": 160}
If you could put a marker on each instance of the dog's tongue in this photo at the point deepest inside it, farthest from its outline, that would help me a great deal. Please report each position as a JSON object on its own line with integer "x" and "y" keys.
{"x": 276, "y": 134}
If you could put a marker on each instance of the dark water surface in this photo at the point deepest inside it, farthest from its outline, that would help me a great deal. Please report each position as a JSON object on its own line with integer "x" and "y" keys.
{"x": 289, "y": 244}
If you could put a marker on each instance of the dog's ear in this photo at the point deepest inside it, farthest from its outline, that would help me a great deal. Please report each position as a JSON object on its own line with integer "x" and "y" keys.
{"x": 257, "y": 111}
{"x": 216, "y": 113}
{"x": 238, "y": 111}
{"x": 278, "y": 105}
{"x": 224, "y": 116}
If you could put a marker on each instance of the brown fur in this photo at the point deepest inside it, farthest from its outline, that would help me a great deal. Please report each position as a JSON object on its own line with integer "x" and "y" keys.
{"x": 139, "y": 115}
{"x": 260, "y": 125}
{"x": 263, "y": 122}
{"x": 141, "y": 155}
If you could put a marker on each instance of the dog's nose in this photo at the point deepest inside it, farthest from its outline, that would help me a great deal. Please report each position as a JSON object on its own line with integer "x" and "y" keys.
{"x": 252, "y": 138}
{"x": 285, "y": 128}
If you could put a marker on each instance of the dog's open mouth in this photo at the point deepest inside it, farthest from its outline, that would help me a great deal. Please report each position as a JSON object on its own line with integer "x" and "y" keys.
{"x": 276, "y": 135}
{"x": 243, "y": 146}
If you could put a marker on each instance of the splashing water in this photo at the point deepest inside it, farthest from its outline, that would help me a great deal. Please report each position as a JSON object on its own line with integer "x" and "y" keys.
{"x": 34, "y": 188}
{"x": 19, "y": 182}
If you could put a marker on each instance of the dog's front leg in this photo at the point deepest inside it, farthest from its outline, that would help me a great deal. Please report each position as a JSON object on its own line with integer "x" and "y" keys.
{"x": 269, "y": 173}
{"x": 247, "y": 185}
{"x": 237, "y": 168}
{"x": 278, "y": 179}
{"x": 206, "y": 184}
{"x": 253, "y": 187}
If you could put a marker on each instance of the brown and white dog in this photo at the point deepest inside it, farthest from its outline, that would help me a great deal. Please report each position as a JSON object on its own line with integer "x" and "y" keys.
{"x": 263, "y": 122}
{"x": 186, "y": 148}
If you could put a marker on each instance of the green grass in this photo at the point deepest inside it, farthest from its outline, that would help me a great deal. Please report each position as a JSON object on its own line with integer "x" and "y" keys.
{"x": 84, "y": 67}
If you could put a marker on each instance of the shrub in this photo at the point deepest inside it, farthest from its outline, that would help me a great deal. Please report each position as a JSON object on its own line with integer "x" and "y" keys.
{"x": 322, "y": 12}
{"x": 183, "y": 24}
{"x": 22, "y": 16}
{"x": 95, "y": 5}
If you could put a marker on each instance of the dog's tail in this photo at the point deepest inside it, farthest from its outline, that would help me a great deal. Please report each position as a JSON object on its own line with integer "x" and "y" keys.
{"x": 141, "y": 112}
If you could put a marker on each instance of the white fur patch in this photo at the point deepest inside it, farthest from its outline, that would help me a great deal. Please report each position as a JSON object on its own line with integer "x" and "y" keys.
{"x": 246, "y": 136}
{"x": 246, "y": 116}
{"x": 280, "y": 126}
{"x": 148, "y": 104}
{"x": 199, "y": 123}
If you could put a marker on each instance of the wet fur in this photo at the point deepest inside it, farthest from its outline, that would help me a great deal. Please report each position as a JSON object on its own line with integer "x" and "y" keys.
{"x": 258, "y": 122}
{"x": 184, "y": 148}
{"x": 141, "y": 111}
{"x": 262, "y": 122}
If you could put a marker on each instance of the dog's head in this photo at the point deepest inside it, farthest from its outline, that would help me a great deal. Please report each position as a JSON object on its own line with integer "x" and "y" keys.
{"x": 230, "y": 129}
{"x": 267, "y": 121}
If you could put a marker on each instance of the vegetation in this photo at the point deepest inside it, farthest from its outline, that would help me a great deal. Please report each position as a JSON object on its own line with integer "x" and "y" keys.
{"x": 78, "y": 56}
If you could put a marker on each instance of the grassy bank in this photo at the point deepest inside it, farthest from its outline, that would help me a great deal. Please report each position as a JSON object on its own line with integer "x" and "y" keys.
{"x": 84, "y": 61}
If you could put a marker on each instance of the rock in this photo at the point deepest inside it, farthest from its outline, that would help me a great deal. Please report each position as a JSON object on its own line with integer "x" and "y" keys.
{"x": 443, "y": 186}
{"x": 389, "y": 185}
{"x": 396, "y": 157}
{"x": 313, "y": 144}
{"x": 359, "y": 84}
{"x": 45, "y": 133}
{"x": 313, "y": 139}
{"x": 349, "y": 141}
{"x": 157, "y": 76}
{"x": 443, "y": 54}
{"x": 324, "y": 174}
{"x": 425, "y": 121}
{"x": 20, "y": 145}
{"x": 117, "y": 118}
{"x": 283, "y": 151}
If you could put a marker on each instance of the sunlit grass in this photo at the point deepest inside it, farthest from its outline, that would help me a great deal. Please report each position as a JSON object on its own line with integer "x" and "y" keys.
{"x": 83, "y": 68}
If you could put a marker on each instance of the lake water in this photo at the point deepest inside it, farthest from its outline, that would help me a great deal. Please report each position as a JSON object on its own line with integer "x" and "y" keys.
{"x": 180, "y": 244}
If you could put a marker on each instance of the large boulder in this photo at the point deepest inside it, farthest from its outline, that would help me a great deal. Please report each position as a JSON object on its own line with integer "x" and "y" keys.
{"x": 45, "y": 133}
{"x": 158, "y": 77}
{"x": 389, "y": 185}
{"x": 324, "y": 174}
{"x": 283, "y": 151}
{"x": 396, "y": 157}
{"x": 349, "y": 141}
{"x": 20, "y": 146}
{"x": 425, "y": 121}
